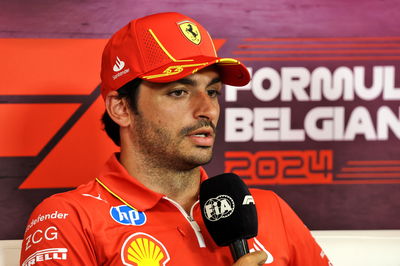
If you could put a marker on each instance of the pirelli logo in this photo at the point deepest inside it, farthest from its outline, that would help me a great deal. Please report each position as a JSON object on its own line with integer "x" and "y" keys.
{"x": 46, "y": 255}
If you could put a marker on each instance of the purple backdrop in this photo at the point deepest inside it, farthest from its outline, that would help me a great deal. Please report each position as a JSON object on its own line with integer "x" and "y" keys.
{"x": 334, "y": 206}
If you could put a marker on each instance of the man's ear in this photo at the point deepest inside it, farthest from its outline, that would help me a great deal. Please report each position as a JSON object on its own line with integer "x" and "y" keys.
{"x": 118, "y": 109}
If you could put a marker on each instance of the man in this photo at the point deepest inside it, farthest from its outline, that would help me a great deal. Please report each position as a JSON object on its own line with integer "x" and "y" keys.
{"x": 161, "y": 79}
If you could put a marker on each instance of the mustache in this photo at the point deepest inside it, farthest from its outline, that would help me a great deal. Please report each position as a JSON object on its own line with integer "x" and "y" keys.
{"x": 200, "y": 124}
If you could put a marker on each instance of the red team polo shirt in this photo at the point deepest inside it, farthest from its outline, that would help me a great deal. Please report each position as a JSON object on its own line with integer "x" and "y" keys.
{"x": 115, "y": 220}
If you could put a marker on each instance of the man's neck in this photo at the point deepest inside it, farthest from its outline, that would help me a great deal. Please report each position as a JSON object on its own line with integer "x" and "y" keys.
{"x": 180, "y": 186}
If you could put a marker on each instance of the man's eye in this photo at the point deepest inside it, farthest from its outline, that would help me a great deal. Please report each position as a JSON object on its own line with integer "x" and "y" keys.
{"x": 213, "y": 93}
{"x": 177, "y": 93}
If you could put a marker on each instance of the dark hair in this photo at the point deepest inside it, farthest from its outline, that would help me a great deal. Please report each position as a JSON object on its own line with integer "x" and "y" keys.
{"x": 130, "y": 91}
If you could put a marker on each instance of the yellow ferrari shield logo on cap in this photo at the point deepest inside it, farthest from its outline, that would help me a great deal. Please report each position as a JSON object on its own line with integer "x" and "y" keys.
{"x": 190, "y": 31}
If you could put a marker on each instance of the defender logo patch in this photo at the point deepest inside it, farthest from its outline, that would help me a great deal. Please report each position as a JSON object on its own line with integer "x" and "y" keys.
{"x": 190, "y": 31}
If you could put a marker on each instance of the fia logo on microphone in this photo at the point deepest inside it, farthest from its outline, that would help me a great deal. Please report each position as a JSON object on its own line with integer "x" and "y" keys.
{"x": 218, "y": 208}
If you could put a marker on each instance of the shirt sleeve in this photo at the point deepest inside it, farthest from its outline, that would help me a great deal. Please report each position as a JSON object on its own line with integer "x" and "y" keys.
{"x": 303, "y": 247}
{"x": 57, "y": 233}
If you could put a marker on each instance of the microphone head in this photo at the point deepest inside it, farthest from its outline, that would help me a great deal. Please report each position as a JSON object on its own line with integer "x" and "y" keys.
{"x": 228, "y": 209}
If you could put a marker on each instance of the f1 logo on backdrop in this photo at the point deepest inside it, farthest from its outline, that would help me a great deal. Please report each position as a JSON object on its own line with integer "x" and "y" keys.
{"x": 54, "y": 135}
{"x": 52, "y": 116}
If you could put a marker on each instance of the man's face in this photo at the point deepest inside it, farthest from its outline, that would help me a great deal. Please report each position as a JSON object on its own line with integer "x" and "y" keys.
{"x": 175, "y": 123}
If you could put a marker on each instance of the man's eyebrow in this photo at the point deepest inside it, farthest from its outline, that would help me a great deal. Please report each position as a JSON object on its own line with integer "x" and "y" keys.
{"x": 192, "y": 82}
{"x": 214, "y": 81}
{"x": 185, "y": 81}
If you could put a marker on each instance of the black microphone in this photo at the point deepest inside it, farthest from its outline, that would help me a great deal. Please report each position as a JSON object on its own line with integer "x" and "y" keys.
{"x": 229, "y": 212}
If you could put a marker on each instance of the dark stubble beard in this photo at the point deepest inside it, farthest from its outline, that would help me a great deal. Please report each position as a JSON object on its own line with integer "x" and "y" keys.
{"x": 162, "y": 149}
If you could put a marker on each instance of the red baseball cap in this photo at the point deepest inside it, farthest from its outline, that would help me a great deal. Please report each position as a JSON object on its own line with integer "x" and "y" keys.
{"x": 162, "y": 48}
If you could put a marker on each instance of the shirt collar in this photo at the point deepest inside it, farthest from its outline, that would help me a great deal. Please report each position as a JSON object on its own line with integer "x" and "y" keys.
{"x": 125, "y": 187}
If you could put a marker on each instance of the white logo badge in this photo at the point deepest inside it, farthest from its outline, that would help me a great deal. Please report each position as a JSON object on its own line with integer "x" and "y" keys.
{"x": 46, "y": 254}
{"x": 219, "y": 207}
{"x": 50, "y": 233}
{"x": 119, "y": 65}
{"x": 92, "y": 196}
{"x": 248, "y": 199}
{"x": 124, "y": 214}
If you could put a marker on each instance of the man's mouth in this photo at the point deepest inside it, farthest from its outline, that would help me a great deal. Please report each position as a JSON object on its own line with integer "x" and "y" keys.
{"x": 202, "y": 136}
{"x": 202, "y": 132}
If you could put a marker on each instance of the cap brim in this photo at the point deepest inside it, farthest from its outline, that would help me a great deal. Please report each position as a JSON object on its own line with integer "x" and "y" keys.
{"x": 231, "y": 71}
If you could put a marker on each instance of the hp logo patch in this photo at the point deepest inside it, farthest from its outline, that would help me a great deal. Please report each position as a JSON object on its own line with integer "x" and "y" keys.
{"x": 219, "y": 207}
{"x": 126, "y": 215}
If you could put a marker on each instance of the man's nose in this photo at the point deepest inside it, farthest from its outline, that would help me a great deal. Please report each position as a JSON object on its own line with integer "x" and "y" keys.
{"x": 205, "y": 107}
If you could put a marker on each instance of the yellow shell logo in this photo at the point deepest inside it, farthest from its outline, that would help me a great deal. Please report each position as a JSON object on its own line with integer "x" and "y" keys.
{"x": 141, "y": 249}
{"x": 190, "y": 31}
